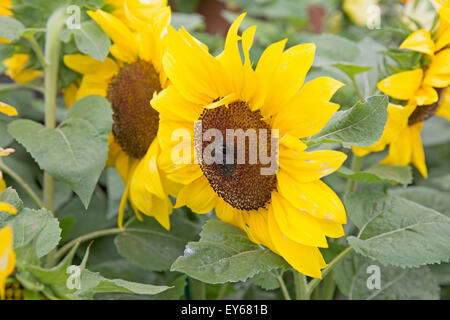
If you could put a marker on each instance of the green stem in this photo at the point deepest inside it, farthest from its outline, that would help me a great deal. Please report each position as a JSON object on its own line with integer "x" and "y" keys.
{"x": 52, "y": 49}
{"x": 329, "y": 287}
{"x": 36, "y": 49}
{"x": 284, "y": 290}
{"x": 315, "y": 282}
{"x": 300, "y": 286}
{"x": 222, "y": 291}
{"x": 358, "y": 92}
{"x": 10, "y": 172}
{"x": 356, "y": 166}
{"x": 198, "y": 290}
{"x": 89, "y": 236}
{"x": 5, "y": 87}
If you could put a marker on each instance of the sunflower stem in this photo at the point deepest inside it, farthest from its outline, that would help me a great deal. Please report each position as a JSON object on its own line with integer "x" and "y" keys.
{"x": 222, "y": 291}
{"x": 52, "y": 49}
{"x": 301, "y": 286}
{"x": 356, "y": 166}
{"x": 37, "y": 49}
{"x": 10, "y": 172}
{"x": 283, "y": 287}
{"x": 358, "y": 92}
{"x": 315, "y": 282}
{"x": 198, "y": 290}
{"x": 89, "y": 236}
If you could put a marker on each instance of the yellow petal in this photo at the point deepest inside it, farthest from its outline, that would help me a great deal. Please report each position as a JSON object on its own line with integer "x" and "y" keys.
{"x": 296, "y": 224}
{"x": 7, "y": 109}
{"x": 6, "y": 207}
{"x": 316, "y": 197}
{"x": 426, "y": 95}
{"x": 198, "y": 196}
{"x": 119, "y": 33}
{"x": 400, "y": 150}
{"x": 444, "y": 108}
{"x": 443, "y": 40}
{"x": 419, "y": 41}
{"x": 402, "y": 85}
{"x": 331, "y": 228}
{"x": 85, "y": 64}
{"x": 418, "y": 155}
{"x": 255, "y": 224}
{"x": 311, "y": 166}
{"x": 288, "y": 77}
{"x": 305, "y": 259}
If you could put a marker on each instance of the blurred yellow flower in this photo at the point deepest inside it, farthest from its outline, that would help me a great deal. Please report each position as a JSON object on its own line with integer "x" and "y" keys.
{"x": 358, "y": 10}
{"x": 129, "y": 80}
{"x": 7, "y": 257}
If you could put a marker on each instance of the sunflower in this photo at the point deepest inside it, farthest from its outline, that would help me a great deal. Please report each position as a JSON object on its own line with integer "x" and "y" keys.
{"x": 143, "y": 10}
{"x": 424, "y": 89}
{"x": 5, "y": 10}
{"x": 6, "y": 207}
{"x": 358, "y": 10}
{"x": 128, "y": 80}
{"x": 290, "y": 211}
{"x": 7, "y": 257}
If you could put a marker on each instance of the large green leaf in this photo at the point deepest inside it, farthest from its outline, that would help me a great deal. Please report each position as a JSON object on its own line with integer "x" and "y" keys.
{"x": 427, "y": 197}
{"x": 327, "y": 54}
{"x": 224, "y": 253}
{"x": 76, "y": 151}
{"x": 361, "y": 125}
{"x": 92, "y": 283}
{"x": 380, "y": 173}
{"x": 10, "y": 28}
{"x": 151, "y": 246}
{"x": 397, "y": 231}
{"x": 352, "y": 275}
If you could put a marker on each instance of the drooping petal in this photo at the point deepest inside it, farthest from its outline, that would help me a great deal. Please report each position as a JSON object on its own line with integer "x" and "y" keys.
{"x": 296, "y": 224}
{"x": 305, "y": 259}
{"x": 419, "y": 41}
{"x": 198, "y": 196}
{"x": 402, "y": 85}
{"x": 444, "y": 108}
{"x": 418, "y": 155}
{"x": 400, "y": 150}
{"x": 316, "y": 198}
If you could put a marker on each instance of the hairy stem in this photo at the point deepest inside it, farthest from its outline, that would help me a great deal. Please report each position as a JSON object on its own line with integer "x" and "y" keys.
{"x": 10, "y": 172}
{"x": 301, "y": 286}
{"x": 284, "y": 290}
{"x": 52, "y": 49}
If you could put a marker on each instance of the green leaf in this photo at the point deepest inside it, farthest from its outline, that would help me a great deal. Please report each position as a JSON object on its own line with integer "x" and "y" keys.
{"x": 92, "y": 283}
{"x": 397, "y": 231}
{"x": 36, "y": 227}
{"x": 224, "y": 253}
{"x": 92, "y": 40}
{"x": 361, "y": 125}
{"x": 266, "y": 280}
{"x": 76, "y": 151}
{"x": 327, "y": 54}
{"x": 57, "y": 274}
{"x": 351, "y": 69}
{"x": 427, "y": 197}
{"x": 396, "y": 283}
{"x": 10, "y": 28}
{"x": 152, "y": 247}
{"x": 379, "y": 173}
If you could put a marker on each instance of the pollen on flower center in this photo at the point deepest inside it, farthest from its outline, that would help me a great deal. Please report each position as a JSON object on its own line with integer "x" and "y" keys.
{"x": 422, "y": 113}
{"x": 135, "y": 121}
{"x": 240, "y": 185}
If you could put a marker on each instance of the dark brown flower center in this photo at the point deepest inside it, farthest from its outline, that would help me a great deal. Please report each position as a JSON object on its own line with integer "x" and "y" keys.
{"x": 242, "y": 185}
{"x": 135, "y": 121}
{"x": 422, "y": 113}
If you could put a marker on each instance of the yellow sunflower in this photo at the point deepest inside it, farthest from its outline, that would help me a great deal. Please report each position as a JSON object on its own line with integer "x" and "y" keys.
{"x": 290, "y": 212}
{"x": 5, "y": 10}
{"x": 6, "y": 207}
{"x": 424, "y": 89}
{"x": 129, "y": 79}
{"x": 7, "y": 257}
{"x": 143, "y": 10}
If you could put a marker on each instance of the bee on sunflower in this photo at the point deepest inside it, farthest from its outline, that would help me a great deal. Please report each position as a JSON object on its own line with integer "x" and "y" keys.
{"x": 128, "y": 80}
{"x": 290, "y": 211}
{"x": 425, "y": 90}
